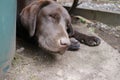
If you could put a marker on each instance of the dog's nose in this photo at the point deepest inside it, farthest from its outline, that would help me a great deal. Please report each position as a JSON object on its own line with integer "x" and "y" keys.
{"x": 65, "y": 42}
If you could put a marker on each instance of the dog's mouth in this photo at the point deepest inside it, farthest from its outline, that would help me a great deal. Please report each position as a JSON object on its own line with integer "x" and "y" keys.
{"x": 52, "y": 46}
{"x": 53, "y": 50}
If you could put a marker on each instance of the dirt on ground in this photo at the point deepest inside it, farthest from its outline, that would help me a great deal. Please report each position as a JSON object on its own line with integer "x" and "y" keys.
{"x": 88, "y": 63}
{"x": 111, "y": 34}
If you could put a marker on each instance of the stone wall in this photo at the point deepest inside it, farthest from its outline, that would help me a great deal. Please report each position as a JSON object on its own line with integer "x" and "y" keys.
{"x": 91, "y": 0}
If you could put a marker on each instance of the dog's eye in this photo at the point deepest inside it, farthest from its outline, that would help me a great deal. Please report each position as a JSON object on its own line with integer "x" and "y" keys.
{"x": 55, "y": 17}
{"x": 52, "y": 16}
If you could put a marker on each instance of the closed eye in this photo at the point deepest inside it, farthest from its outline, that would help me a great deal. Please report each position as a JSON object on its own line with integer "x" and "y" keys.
{"x": 52, "y": 16}
{"x": 55, "y": 17}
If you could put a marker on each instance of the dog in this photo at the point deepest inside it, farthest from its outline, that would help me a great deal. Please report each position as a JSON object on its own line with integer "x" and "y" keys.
{"x": 49, "y": 25}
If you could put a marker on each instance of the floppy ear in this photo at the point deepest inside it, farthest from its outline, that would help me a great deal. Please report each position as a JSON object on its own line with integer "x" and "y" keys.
{"x": 29, "y": 15}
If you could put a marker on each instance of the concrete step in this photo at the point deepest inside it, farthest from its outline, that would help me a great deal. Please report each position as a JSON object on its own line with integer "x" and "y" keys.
{"x": 89, "y": 63}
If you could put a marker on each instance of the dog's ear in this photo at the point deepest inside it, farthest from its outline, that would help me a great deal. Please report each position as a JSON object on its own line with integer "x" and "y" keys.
{"x": 29, "y": 14}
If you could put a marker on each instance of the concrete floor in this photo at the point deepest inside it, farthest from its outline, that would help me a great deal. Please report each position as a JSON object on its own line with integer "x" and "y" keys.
{"x": 89, "y": 63}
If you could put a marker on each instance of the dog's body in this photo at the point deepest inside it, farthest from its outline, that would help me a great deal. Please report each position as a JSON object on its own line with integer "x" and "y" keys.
{"x": 49, "y": 24}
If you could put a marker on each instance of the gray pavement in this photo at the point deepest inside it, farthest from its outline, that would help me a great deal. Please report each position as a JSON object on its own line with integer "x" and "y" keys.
{"x": 89, "y": 63}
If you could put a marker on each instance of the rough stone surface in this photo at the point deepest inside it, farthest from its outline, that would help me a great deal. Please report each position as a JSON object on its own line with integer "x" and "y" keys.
{"x": 112, "y": 7}
{"x": 89, "y": 63}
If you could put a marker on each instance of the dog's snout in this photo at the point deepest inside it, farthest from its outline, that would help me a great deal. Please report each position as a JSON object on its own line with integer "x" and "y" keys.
{"x": 65, "y": 42}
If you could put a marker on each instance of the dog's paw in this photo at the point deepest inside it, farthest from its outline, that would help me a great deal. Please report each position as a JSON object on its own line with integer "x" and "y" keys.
{"x": 91, "y": 41}
{"x": 75, "y": 45}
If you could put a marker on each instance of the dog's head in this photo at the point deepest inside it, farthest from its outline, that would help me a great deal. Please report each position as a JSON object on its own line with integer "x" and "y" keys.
{"x": 50, "y": 23}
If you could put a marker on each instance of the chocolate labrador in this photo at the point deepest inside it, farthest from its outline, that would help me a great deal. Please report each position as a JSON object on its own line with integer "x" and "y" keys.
{"x": 49, "y": 24}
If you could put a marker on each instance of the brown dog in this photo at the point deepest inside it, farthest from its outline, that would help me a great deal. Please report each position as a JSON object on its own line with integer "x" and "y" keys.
{"x": 49, "y": 24}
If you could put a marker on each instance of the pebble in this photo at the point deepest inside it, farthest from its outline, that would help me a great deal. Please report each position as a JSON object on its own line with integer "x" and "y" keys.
{"x": 20, "y": 50}
{"x": 60, "y": 73}
{"x": 118, "y": 28}
{"x": 117, "y": 36}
